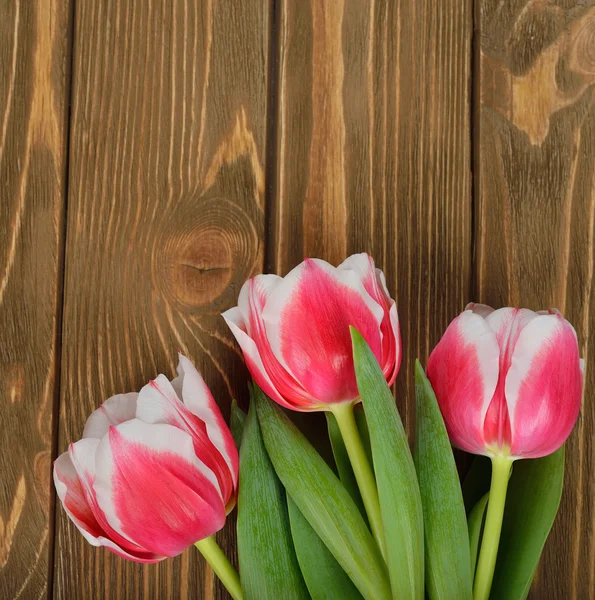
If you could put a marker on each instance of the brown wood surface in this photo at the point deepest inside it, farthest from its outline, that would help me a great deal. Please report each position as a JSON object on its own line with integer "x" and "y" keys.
{"x": 535, "y": 219}
{"x": 165, "y": 222}
{"x": 34, "y": 48}
{"x": 207, "y": 141}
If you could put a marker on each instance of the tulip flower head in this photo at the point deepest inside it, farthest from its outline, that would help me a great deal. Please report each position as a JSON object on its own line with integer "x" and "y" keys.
{"x": 154, "y": 472}
{"x": 294, "y": 330}
{"x": 508, "y": 381}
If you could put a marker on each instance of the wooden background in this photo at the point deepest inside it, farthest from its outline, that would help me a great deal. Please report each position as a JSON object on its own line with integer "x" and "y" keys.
{"x": 155, "y": 154}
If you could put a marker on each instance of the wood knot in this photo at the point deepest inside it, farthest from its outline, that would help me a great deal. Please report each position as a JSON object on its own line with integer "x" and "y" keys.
{"x": 208, "y": 249}
{"x": 582, "y": 50}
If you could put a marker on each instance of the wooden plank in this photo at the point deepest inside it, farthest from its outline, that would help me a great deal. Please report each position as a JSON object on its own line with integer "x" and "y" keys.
{"x": 165, "y": 222}
{"x": 34, "y": 91}
{"x": 535, "y": 201}
{"x": 374, "y": 153}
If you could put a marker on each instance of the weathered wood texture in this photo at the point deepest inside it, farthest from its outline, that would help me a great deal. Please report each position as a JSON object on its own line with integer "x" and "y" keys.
{"x": 165, "y": 222}
{"x": 535, "y": 199}
{"x": 33, "y": 100}
{"x": 203, "y": 150}
{"x": 373, "y": 153}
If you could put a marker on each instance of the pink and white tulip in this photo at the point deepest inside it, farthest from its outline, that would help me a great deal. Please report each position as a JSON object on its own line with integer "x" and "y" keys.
{"x": 294, "y": 330}
{"x": 508, "y": 381}
{"x": 155, "y": 471}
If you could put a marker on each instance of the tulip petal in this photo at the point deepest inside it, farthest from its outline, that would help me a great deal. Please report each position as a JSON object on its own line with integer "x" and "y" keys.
{"x": 253, "y": 297}
{"x": 543, "y": 386}
{"x": 158, "y": 402}
{"x": 463, "y": 370}
{"x": 375, "y": 284}
{"x": 272, "y": 378}
{"x": 73, "y": 477}
{"x": 307, "y": 325}
{"x": 507, "y": 323}
{"x": 154, "y": 489}
{"x": 113, "y": 411}
{"x": 71, "y": 492}
{"x": 236, "y": 324}
{"x": 198, "y": 399}
{"x": 483, "y": 310}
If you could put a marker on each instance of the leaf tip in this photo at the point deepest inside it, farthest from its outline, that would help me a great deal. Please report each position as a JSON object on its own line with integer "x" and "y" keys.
{"x": 420, "y": 374}
{"x": 356, "y": 336}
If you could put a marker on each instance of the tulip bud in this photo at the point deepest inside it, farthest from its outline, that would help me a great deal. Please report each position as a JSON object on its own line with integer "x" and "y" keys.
{"x": 508, "y": 381}
{"x": 154, "y": 472}
{"x": 294, "y": 330}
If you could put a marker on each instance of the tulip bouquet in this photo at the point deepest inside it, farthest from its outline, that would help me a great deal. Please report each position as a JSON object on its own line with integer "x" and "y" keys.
{"x": 159, "y": 471}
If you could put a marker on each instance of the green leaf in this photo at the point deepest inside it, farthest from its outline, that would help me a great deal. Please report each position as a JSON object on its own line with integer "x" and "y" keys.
{"x": 475, "y": 526}
{"x": 447, "y": 561}
{"x": 268, "y": 564}
{"x": 398, "y": 490}
{"x": 477, "y": 482}
{"x": 237, "y": 421}
{"x": 534, "y": 493}
{"x": 342, "y": 462}
{"x": 323, "y": 500}
{"x": 324, "y": 577}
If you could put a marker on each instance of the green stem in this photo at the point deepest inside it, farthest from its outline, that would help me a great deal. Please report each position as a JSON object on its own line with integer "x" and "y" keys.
{"x": 486, "y": 564}
{"x": 221, "y": 566}
{"x": 361, "y": 469}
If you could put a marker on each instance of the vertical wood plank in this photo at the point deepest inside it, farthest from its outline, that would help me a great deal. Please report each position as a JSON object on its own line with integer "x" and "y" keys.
{"x": 535, "y": 199}
{"x": 165, "y": 222}
{"x": 33, "y": 104}
{"x": 373, "y": 153}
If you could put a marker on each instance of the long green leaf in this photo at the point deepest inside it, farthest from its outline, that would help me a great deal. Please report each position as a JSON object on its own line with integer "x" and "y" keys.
{"x": 237, "y": 421}
{"x": 324, "y": 577}
{"x": 343, "y": 463}
{"x": 323, "y": 500}
{"x": 474, "y": 525}
{"x": 447, "y": 560}
{"x": 268, "y": 565}
{"x": 533, "y": 499}
{"x": 398, "y": 490}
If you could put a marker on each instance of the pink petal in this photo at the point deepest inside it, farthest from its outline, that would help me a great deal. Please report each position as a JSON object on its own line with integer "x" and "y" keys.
{"x": 463, "y": 371}
{"x": 159, "y": 403}
{"x": 72, "y": 495}
{"x": 483, "y": 310}
{"x": 253, "y": 296}
{"x": 77, "y": 497}
{"x": 154, "y": 489}
{"x": 543, "y": 386}
{"x": 375, "y": 284}
{"x": 198, "y": 399}
{"x": 113, "y": 411}
{"x": 252, "y": 356}
{"x": 390, "y": 331}
{"x": 307, "y": 325}
{"x": 507, "y": 323}
{"x": 268, "y": 373}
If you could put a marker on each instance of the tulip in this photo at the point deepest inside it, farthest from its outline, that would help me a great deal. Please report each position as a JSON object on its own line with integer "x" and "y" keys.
{"x": 294, "y": 330}
{"x": 509, "y": 385}
{"x": 508, "y": 381}
{"x": 294, "y": 333}
{"x": 154, "y": 473}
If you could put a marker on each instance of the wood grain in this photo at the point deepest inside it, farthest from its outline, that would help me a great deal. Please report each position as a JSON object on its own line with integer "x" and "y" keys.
{"x": 33, "y": 100}
{"x": 165, "y": 222}
{"x": 373, "y": 153}
{"x": 535, "y": 225}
